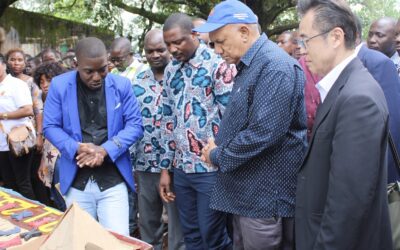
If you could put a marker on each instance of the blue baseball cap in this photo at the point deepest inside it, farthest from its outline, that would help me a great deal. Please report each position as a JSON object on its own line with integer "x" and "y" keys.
{"x": 227, "y": 12}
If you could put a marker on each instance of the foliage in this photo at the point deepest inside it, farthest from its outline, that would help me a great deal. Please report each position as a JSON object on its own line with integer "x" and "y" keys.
{"x": 275, "y": 16}
{"x": 371, "y": 10}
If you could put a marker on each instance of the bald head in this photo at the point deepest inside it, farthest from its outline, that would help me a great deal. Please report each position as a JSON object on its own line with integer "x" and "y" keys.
{"x": 90, "y": 47}
{"x": 386, "y": 21}
{"x": 381, "y": 36}
{"x": 198, "y": 21}
{"x": 121, "y": 54}
{"x": 154, "y": 35}
{"x": 203, "y": 36}
{"x": 121, "y": 43}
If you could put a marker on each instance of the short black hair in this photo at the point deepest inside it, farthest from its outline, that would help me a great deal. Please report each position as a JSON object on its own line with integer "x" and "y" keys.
{"x": 49, "y": 69}
{"x": 330, "y": 14}
{"x": 358, "y": 26}
{"x": 56, "y": 53}
{"x": 181, "y": 20}
{"x": 90, "y": 47}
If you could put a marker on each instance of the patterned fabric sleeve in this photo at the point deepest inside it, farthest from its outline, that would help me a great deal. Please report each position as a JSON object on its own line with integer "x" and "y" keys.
{"x": 167, "y": 124}
{"x": 224, "y": 76}
{"x": 48, "y": 161}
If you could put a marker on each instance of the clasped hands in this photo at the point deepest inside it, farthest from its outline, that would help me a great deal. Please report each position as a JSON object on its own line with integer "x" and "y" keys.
{"x": 90, "y": 155}
{"x": 205, "y": 152}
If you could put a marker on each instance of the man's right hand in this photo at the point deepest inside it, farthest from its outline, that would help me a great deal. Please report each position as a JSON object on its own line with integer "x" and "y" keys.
{"x": 165, "y": 187}
{"x": 85, "y": 154}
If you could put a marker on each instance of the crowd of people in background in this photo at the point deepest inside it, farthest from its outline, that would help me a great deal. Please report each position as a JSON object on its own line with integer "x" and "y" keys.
{"x": 219, "y": 137}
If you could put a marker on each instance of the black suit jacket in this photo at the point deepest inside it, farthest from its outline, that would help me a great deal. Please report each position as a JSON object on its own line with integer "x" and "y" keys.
{"x": 341, "y": 200}
{"x": 385, "y": 73}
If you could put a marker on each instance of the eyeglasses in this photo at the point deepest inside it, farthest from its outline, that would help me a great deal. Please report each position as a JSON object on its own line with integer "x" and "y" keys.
{"x": 119, "y": 59}
{"x": 303, "y": 42}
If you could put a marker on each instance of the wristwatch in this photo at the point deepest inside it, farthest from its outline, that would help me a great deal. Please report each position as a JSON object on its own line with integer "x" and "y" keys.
{"x": 4, "y": 116}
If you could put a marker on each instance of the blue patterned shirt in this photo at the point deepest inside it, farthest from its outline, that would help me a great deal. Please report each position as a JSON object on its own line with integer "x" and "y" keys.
{"x": 262, "y": 137}
{"x": 146, "y": 152}
{"x": 194, "y": 99}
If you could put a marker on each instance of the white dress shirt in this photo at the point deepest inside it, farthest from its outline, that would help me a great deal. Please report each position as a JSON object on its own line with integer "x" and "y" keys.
{"x": 326, "y": 83}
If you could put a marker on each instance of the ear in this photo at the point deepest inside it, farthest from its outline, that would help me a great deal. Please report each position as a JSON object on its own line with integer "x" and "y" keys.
{"x": 338, "y": 37}
{"x": 244, "y": 32}
{"x": 194, "y": 35}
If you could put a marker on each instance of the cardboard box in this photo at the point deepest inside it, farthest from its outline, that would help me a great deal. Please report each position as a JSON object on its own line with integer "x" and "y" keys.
{"x": 77, "y": 230}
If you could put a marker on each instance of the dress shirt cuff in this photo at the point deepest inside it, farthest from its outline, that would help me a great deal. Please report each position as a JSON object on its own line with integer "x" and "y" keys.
{"x": 214, "y": 156}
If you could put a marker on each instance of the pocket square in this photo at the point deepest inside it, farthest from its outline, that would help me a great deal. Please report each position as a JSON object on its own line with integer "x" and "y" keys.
{"x": 118, "y": 105}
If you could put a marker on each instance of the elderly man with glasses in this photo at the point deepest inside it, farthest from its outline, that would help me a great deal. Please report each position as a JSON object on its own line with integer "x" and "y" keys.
{"x": 121, "y": 56}
{"x": 341, "y": 186}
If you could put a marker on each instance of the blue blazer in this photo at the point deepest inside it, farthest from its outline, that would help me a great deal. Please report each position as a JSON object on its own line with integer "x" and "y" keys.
{"x": 61, "y": 124}
{"x": 385, "y": 73}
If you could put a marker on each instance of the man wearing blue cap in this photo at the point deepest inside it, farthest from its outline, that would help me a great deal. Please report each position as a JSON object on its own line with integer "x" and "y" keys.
{"x": 197, "y": 86}
{"x": 262, "y": 135}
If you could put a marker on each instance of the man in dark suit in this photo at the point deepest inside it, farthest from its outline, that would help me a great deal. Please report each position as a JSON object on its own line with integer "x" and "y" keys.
{"x": 384, "y": 72}
{"x": 341, "y": 187}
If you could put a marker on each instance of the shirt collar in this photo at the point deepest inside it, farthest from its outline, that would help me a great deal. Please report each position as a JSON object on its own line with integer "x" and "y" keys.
{"x": 252, "y": 52}
{"x": 326, "y": 83}
{"x": 395, "y": 58}
{"x": 135, "y": 63}
{"x": 358, "y": 48}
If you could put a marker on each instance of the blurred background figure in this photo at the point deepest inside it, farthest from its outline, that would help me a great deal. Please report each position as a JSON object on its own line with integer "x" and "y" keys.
{"x": 382, "y": 37}
{"x": 31, "y": 64}
{"x": 16, "y": 65}
{"x": 197, "y": 21}
{"x": 288, "y": 41}
{"x": 15, "y": 110}
{"x": 48, "y": 170}
{"x": 50, "y": 55}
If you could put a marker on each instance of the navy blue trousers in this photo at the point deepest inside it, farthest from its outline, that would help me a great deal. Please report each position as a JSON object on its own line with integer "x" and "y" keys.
{"x": 203, "y": 228}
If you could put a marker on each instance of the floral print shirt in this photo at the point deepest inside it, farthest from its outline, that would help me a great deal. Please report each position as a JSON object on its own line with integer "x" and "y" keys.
{"x": 193, "y": 101}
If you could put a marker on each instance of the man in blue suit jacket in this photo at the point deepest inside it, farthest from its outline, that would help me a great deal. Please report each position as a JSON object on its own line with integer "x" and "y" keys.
{"x": 93, "y": 118}
{"x": 384, "y": 72}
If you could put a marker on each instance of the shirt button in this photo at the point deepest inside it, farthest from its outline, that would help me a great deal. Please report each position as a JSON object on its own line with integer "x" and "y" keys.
{"x": 92, "y": 121}
{"x": 94, "y": 137}
{"x": 91, "y": 102}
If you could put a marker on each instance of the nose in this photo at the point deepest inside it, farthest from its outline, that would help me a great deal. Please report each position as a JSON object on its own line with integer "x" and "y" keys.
{"x": 172, "y": 49}
{"x": 96, "y": 77}
{"x": 44, "y": 85}
{"x": 217, "y": 49}
{"x": 155, "y": 55}
{"x": 397, "y": 39}
{"x": 372, "y": 39}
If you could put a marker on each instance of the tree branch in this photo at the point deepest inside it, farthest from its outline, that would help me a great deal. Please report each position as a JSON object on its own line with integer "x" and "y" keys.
{"x": 155, "y": 17}
{"x": 278, "y": 30}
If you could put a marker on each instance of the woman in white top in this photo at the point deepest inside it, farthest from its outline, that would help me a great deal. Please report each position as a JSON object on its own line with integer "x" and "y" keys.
{"x": 15, "y": 110}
